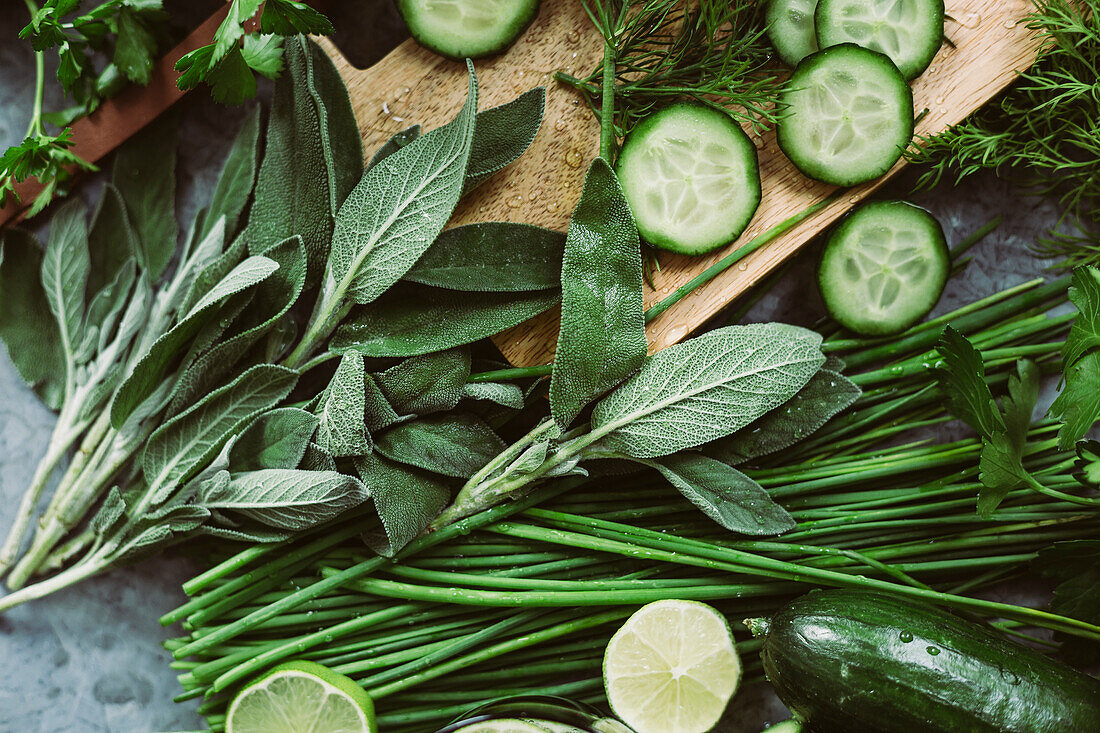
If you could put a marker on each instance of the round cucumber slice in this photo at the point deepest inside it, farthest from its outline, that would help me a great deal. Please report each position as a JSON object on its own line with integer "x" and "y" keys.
{"x": 671, "y": 668}
{"x": 849, "y": 115}
{"x": 883, "y": 268}
{"x": 691, "y": 177}
{"x": 791, "y": 29}
{"x": 461, "y": 29}
{"x": 908, "y": 31}
{"x": 503, "y": 725}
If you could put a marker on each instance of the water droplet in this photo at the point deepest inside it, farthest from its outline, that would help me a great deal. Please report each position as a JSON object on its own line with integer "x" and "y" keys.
{"x": 573, "y": 158}
{"x": 559, "y": 125}
{"x": 743, "y": 266}
{"x": 854, "y": 199}
{"x": 933, "y": 650}
{"x": 1010, "y": 23}
{"x": 1010, "y": 677}
{"x": 969, "y": 20}
{"x": 931, "y": 69}
{"x": 386, "y": 108}
{"x": 938, "y": 100}
{"x": 906, "y": 636}
{"x": 678, "y": 333}
{"x": 573, "y": 37}
{"x": 514, "y": 202}
{"x": 552, "y": 206}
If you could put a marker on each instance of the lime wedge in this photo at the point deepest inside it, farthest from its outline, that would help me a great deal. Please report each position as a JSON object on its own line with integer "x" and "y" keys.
{"x": 301, "y": 696}
{"x": 671, "y": 668}
{"x": 502, "y": 725}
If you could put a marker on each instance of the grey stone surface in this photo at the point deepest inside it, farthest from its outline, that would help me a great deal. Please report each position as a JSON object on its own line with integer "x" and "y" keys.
{"x": 89, "y": 658}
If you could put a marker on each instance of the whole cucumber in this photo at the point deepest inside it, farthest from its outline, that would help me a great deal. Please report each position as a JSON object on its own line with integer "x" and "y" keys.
{"x": 850, "y": 660}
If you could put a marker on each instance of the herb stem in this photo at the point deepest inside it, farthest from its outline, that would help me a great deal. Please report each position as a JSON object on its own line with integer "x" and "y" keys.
{"x": 739, "y": 254}
{"x": 607, "y": 102}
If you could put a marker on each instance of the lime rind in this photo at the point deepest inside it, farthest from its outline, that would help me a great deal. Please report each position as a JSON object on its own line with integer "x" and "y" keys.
{"x": 301, "y": 696}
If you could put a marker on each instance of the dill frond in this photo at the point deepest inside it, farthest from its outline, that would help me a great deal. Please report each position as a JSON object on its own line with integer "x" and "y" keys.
{"x": 710, "y": 51}
{"x": 1043, "y": 132}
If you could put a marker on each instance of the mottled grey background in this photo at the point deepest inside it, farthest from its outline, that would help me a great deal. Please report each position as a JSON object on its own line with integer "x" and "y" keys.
{"x": 89, "y": 658}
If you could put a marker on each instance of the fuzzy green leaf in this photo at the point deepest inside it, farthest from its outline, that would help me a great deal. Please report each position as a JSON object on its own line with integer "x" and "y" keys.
{"x": 276, "y": 439}
{"x": 65, "y": 273}
{"x": 155, "y": 364}
{"x": 602, "y": 339}
{"x": 111, "y": 239}
{"x": 724, "y": 494}
{"x": 182, "y": 446}
{"x": 273, "y": 299}
{"x": 428, "y": 383}
{"x": 825, "y": 395}
{"x": 707, "y": 388}
{"x": 316, "y": 459}
{"x": 237, "y": 177}
{"x": 505, "y": 395}
{"x": 313, "y": 156}
{"x": 397, "y": 141}
{"x": 287, "y": 498}
{"x": 342, "y": 431}
{"x": 406, "y": 500}
{"x": 26, "y": 326}
{"x": 145, "y": 174}
{"x": 379, "y": 412}
{"x": 452, "y": 444}
{"x": 398, "y": 209}
{"x": 492, "y": 257}
{"x": 405, "y": 321}
{"x": 503, "y": 134}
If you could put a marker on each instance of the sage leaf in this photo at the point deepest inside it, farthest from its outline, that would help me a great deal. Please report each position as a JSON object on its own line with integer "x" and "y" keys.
{"x": 145, "y": 175}
{"x": 342, "y": 430}
{"x": 245, "y": 534}
{"x": 26, "y": 326}
{"x": 110, "y": 511}
{"x": 824, "y": 396}
{"x": 493, "y": 256}
{"x": 273, "y": 300}
{"x": 398, "y": 209}
{"x": 142, "y": 542}
{"x": 379, "y": 413}
{"x": 602, "y": 340}
{"x": 316, "y": 458}
{"x": 503, "y": 134}
{"x": 210, "y": 274}
{"x": 406, "y": 500}
{"x": 429, "y": 383}
{"x": 706, "y": 388}
{"x": 111, "y": 239}
{"x": 406, "y": 321}
{"x": 180, "y": 447}
{"x": 452, "y": 444}
{"x": 65, "y": 273}
{"x": 505, "y": 395}
{"x": 288, "y": 498}
{"x": 106, "y": 308}
{"x": 313, "y": 156}
{"x": 152, "y": 367}
{"x": 724, "y": 494}
{"x": 237, "y": 177}
{"x": 275, "y": 439}
{"x": 395, "y": 143}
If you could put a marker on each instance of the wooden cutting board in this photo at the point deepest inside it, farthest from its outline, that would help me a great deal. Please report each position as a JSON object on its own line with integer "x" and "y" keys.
{"x": 412, "y": 85}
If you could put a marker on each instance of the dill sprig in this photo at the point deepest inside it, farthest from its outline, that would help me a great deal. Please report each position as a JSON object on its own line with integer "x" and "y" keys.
{"x": 1043, "y": 132}
{"x": 711, "y": 51}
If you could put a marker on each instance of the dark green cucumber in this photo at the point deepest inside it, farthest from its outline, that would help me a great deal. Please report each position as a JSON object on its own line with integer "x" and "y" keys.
{"x": 849, "y": 660}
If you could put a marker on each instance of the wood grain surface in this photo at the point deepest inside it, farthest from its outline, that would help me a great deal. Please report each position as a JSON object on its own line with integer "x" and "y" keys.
{"x": 412, "y": 85}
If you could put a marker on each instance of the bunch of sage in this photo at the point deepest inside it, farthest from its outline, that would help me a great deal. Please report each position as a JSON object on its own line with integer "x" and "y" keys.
{"x": 177, "y": 379}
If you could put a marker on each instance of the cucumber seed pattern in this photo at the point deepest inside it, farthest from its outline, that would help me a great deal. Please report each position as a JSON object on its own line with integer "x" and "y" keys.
{"x": 908, "y": 31}
{"x": 885, "y": 263}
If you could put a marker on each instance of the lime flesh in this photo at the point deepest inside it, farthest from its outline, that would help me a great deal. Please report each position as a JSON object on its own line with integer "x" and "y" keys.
{"x": 301, "y": 697}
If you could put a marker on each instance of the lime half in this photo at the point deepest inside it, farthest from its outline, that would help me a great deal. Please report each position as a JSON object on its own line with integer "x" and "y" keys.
{"x": 671, "y": 668}
{"x": 301, "y": 697}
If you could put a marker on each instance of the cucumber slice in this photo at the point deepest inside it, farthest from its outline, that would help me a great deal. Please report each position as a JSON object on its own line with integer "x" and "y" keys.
{"x": 691, "y": 177}
{"x": 791, "y": 29}
{"x": 461, "y": 29}
{"x": 849, "y": 115}
{"x": 883, "y": 268}
{"x": 908, "y": 31}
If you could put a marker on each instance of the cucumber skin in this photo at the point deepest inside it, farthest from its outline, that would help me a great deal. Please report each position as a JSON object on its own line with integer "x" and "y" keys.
{"x": 404, "y": 8}
{"x": 836, "y": 658}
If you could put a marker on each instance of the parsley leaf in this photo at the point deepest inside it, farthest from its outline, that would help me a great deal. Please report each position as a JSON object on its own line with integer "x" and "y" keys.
{"x": 1078, "y": 405}
{"x": 287, "y": 17}
{"x": 1003, "y": 434}
{"x": 1076, "y": 566}
{"x": 1087, "y": 465}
